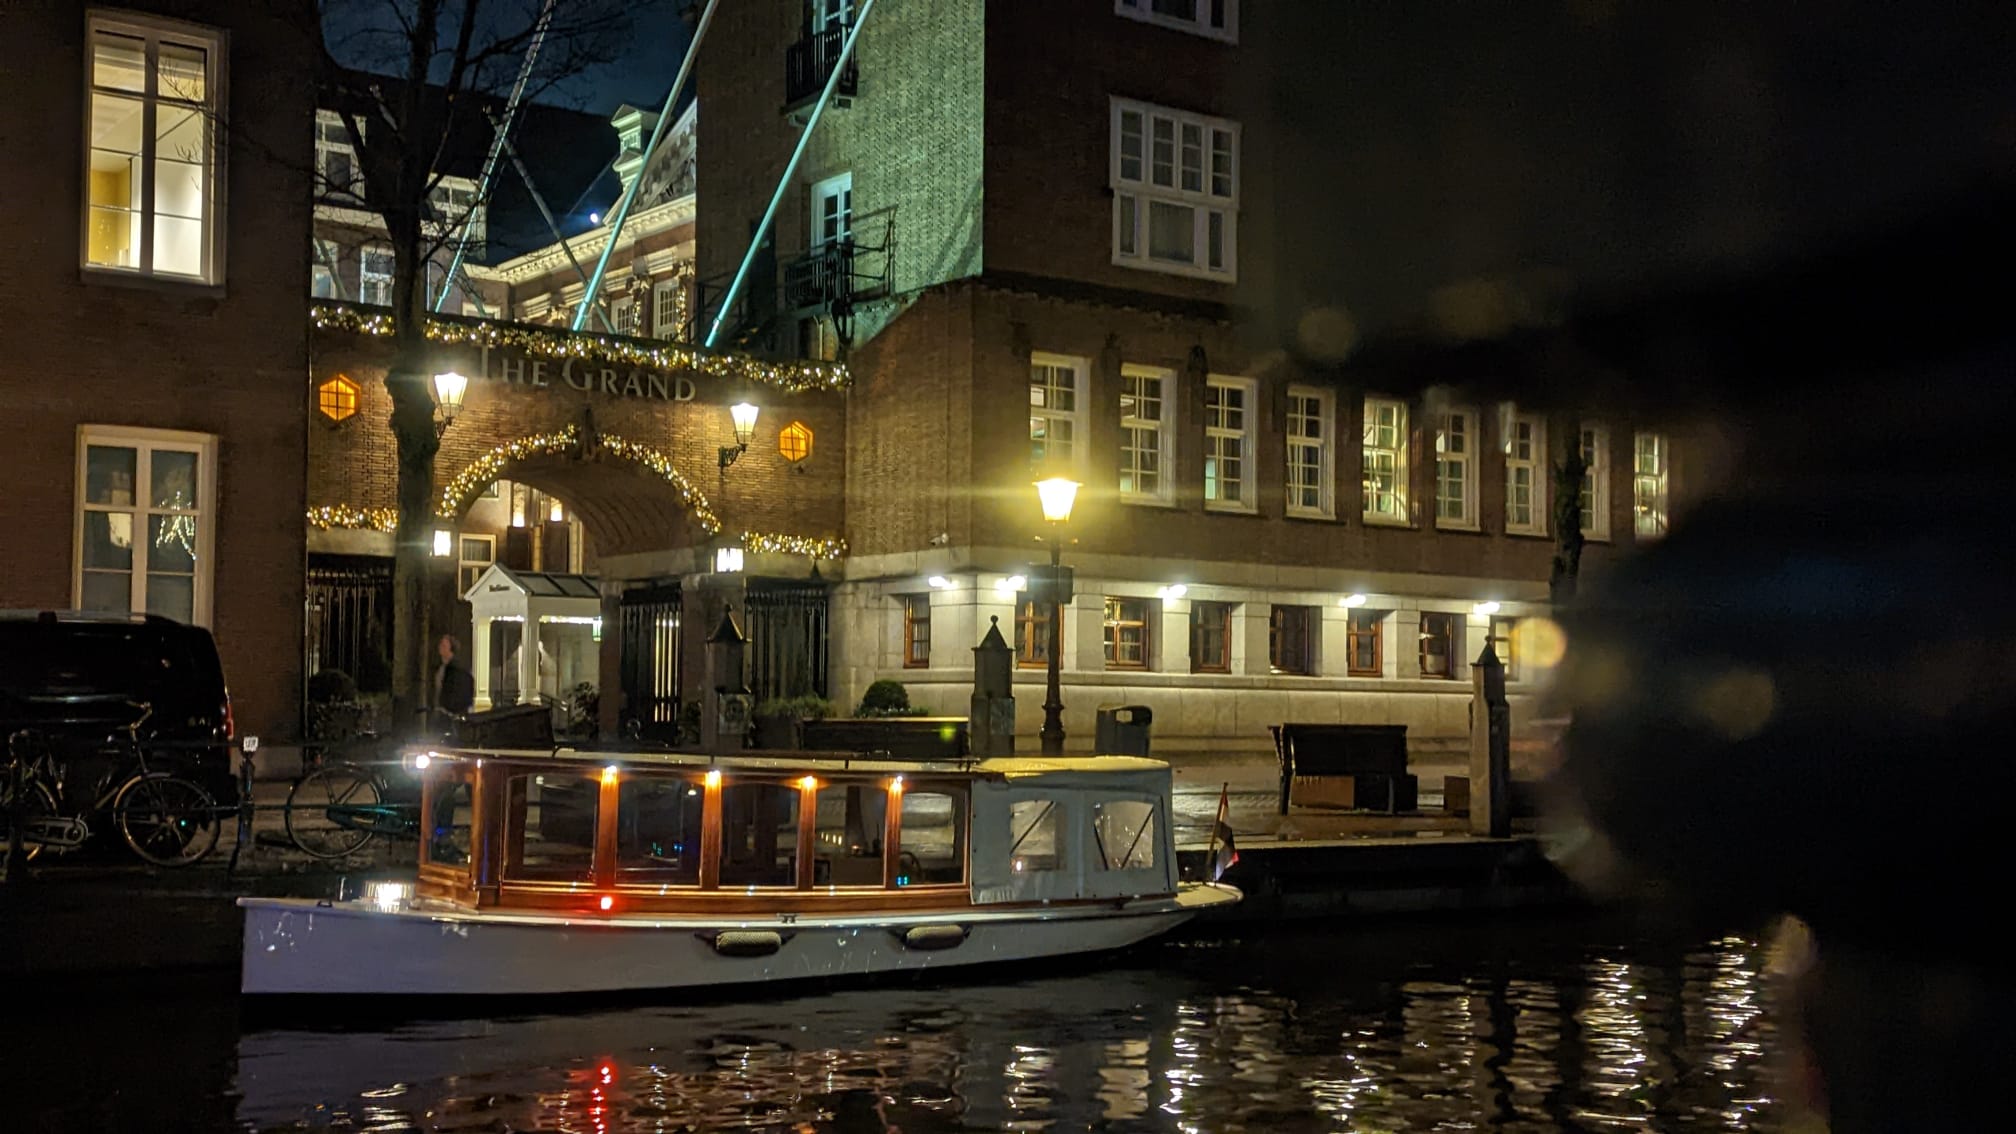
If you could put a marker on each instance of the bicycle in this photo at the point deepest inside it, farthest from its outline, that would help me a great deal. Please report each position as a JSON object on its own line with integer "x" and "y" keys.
{"x": 164, "y": 819}
{"x": 337, "y": 809}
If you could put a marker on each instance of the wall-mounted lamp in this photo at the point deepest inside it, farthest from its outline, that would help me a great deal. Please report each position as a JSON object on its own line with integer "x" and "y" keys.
{"x": 744, "y": 416}
{"x": 1351, "y": 600}
{"x": 1008, "y": 585}
{"x": 449, "y": 387}
{"x": 727, "y": 560}
{"x": 1486, "y": 607}
{"x": 444, "y": 542}
{"x": 939, "y": 583}
{"x": 1172, "y": 591}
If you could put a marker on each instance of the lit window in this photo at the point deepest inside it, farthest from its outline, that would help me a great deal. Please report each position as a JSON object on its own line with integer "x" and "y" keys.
{"x": 1218, "y": 19}
{"x": 1385, "y": 457}
{"x": 1032, "y": 632}
{"x": 1438, "y": 644}
{"x": 1144, "y": 437}
{"x": 1309, "y": 479}
{"x": 1456, "y": 470}
{"x": 1126, "y": 633}
{"x": 1228, "y": 443}
{"x": 1175, "y": 184}
{"x": 145, "y": 501}
{"x": 1648, "y": 486}
{"x": 668, "y": 310}
{"x": 1525, "y": 466}
{"x": 916, "y": 631}
{"x": 1055, "y": 403}
{"x": 374, "y": 275}
{"x": 151, "y": 128}
{"x": 623, "y": 315}
{"x": 1595, "y": 497}
{"x": 337, "y": 398}
{"x": 1362, "y": 654}
{"x": 794, "y": 442}
{"x": 476, "y": 554}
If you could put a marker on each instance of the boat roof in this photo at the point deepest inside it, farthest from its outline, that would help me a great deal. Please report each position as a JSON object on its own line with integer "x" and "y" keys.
{"x": 1005, "y": 766}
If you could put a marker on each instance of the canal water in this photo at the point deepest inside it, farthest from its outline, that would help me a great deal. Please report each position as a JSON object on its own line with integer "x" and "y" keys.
{"x": 1523, "y": 1025}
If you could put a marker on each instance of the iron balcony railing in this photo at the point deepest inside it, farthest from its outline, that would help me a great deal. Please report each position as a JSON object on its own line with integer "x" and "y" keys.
{"x": 809, "y": 63}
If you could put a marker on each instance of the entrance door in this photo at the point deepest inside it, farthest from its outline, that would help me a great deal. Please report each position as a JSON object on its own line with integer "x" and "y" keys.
{"x": 650, "y": 673}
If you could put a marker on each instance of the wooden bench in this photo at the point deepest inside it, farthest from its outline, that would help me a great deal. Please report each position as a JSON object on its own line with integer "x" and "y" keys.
{"x": 901, "y": 738}
{"x": 1353, "y": 766}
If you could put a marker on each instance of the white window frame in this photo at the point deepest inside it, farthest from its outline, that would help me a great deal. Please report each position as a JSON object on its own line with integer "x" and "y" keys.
{"x": 1322, "y": 441}
{"x": 1245, "y": 435}
{"x": 839, "y": 187}
{"x": 1526, "y": 454}
{"x": 332, "y": 136}
{"x": 664, "y": 304}
{"x": 1135, "y": 188}
{"x": 1078, "y": 456}
{"x": 828, "y": 15}
{"x": 154, "y": 32}
{"x": 1401, "y": 513}
{"x": 1457, "y": 466}
{"x": 462, "y": 561}
{"x": 366, "y": 277}
{"x": 1159, "y": 431}
{"x": 1650, "y": 507}
{"x": 449, "y": 214}
{"x": 1201, "y": 23}
{"x": 147, "y": 442}
{"x": 1595, "y": 495}
{"x": 623, "y": 315}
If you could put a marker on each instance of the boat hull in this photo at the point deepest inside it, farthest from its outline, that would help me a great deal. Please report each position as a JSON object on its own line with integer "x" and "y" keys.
{"x": 360, "y": 949}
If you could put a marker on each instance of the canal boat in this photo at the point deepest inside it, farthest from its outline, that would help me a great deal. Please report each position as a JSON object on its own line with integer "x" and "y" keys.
{"x": 570, "y": 872}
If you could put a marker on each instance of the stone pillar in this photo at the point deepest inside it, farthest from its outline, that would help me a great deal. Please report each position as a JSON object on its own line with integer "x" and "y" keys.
{"x": 609, "y": 674}
{"x": 479, "y": 661}
{"x": 991, "y": 723}
{"x": 725, "y": 703}
{"x": 1490, "y": 747}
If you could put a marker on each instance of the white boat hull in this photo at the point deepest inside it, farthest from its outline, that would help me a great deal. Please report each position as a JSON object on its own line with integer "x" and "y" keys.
{"x": 359, "y": 948}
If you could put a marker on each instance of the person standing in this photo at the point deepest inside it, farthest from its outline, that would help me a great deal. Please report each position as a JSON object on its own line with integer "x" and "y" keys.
{"x": 454, "y": 685}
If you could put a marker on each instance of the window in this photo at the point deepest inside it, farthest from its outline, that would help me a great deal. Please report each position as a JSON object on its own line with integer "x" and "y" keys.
{"x": 931, "y": 839}
{"x": 848, "y": 823}
{"x": 1648, "y": 485}
{"x": 1525, "y": 464}
{"x": 1126, "y": 633}
{"x": 1385, "y": 461}
{"x": 153, "y": 185}
{"x": 833, "y": 211}
{"x": 623, "y": 315}
{"x": 1056, "y": 384}
{"x": 1144, "y": 438}
{"x": 1123, "y": 834}
{"x": 667, "y": 315}
{"x": 1218, "y": 19}
{"x": 1210, "y": 637}
{"x": 1456, "y": 470}
{"x": 337, "y": 398}
{"x": 658, "y": 831}
{"x": 451, "y": 812}
{"x": 1034, "y": 842}
{"x": 322, "y": 278}
{"x": 1032, "y": 632}
{"x": 1505, "y": 643}
{"x": 1309, "y": 447}
{"x": 475, "y": 553}
{"x": 1228, "y": 444}
{"x": 454, "y": 206}
{"x": 1291, "y": 640}
{"x": 337, "y": 175}
{"x": 374, "y": 275}
{"x": 1438, "y": 644}
{"x": 1175, "y": 187}
{"x": 550, "y": 827}
{"x": 831, "y": 15}
{"x": 916, "y": 631}
{"x": 794, "y": 442}
{"x": 1362, "y": 655}
{"x": 1596, "y": 482}
{"x": 759, "y": 834}
{"x": 146, "y": 498}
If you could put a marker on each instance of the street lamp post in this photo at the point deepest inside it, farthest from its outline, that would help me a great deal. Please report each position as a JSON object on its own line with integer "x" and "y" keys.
{"x": 1056, "y": 495}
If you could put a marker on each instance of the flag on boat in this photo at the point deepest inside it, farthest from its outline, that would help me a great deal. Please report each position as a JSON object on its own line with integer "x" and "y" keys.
{"x": 1223, "y": 854}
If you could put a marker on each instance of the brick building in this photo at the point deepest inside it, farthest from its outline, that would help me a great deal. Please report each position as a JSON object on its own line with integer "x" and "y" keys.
{"x": 1022, "y": 225}
{"x": 151, "y": 322}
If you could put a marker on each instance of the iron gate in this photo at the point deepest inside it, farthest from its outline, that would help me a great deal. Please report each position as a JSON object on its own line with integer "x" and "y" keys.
{"x": 786, "y": 625}
{"x": 350, "y": 618}
{"x": 650, "y": 643}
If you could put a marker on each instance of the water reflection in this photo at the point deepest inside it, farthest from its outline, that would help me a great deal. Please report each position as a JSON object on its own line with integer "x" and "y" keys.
{"x": 1517, "y": 1029}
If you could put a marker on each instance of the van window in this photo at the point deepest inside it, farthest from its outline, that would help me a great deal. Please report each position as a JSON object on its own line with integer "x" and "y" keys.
{"x": 551, "y": 827}
{"x": 1123, "y": 833}
{"x": 1033, "y": 842}
{"x": 931, "y": 848}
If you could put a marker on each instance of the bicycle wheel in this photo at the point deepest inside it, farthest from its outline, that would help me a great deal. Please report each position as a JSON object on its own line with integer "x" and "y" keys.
{"x": 41, "y": 804}
{"x": 327, "y": 811}
{"x": 166, "y": 820}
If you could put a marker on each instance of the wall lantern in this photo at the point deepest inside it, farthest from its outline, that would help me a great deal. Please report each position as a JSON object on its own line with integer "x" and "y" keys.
{"x": 727, "y": 560}
{"x": 444, "y": 542}
{"x": 794, "y": 442}
{"x": 744, "y": 416}
{"x": 1057, "y": 495}
{"x": 448, "y": 390}
{"x": 1172, "y": 591}
{"x": 1486, "y": 607}
{"x": 338, "y": 398}
{"x": 1351, "y": 600}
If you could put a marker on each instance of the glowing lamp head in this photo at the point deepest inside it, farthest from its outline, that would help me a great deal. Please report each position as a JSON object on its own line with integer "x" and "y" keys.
{"x": 1057, "y": 495}
{"x": 896, "y": 785}
{"x": 606, "y": 903}
{"x": 609, "y": 774}
{"x": 421, "y": 761}
{"x": 808, "y": 782}
{"x": 744, "y": 416}
{"x": 449, "y": 387}
{"x": 1351, "y": 600}
{"x": 713, "y": 778}
{"x": 444, "y": 543}
{"x": 1486, "y": 607}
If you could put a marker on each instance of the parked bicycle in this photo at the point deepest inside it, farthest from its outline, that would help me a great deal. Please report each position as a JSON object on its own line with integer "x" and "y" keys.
{"x": 343, "y": 803}
{"x": 164, "y": 818}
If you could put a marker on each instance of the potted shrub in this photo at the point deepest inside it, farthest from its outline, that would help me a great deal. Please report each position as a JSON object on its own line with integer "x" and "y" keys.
{"x": 885, "y": 698}
{"x": 776, "y": 720}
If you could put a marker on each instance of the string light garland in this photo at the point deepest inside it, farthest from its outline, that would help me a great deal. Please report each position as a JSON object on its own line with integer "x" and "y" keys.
{"x": 458, "y": 492}
{"x": 818, "y": 547}
{"x": 348, "y": 516}
{"x": 793, "y": 377}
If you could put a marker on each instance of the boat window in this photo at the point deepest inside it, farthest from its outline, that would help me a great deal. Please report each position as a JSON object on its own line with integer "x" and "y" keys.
{"x": 1033, "y": 843}
{"x": 550, "y": 825}
{"x": 931, "y": 844}
{"x": 759, "y": 835}
{"x": 1123, "y": 833}
{"x": 658, "y": 831}
{"x": 448, "y": 825}
{"x": 847, "y": 835}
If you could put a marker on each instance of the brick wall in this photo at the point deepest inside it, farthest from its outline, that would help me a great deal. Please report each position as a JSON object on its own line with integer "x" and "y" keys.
{"x": 225, "y": 361}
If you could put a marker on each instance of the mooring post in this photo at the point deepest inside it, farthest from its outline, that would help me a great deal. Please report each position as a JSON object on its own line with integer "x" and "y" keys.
{"x": 1490, "y": 748}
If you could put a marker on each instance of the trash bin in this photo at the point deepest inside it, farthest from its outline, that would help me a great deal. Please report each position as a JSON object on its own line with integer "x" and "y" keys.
{"x": 1123, "y": 730}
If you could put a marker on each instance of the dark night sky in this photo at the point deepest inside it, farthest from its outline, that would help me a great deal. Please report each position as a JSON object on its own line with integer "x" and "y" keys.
{"x": 645, "y": 73}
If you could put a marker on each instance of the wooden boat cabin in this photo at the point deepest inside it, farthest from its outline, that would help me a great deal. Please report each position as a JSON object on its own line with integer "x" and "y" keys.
{"x": 805, "y": 834}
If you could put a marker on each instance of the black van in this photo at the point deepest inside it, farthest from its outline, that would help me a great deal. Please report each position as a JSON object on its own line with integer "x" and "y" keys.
{"x": 77, "y": 677}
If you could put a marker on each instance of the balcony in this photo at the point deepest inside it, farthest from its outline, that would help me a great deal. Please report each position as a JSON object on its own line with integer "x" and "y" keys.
{"x": 822, "y": 278}
{"x": 809, "y": 63}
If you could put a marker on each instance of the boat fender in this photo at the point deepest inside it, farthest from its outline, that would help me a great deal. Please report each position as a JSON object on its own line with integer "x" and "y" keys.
{"x": 747, "y": 943}
{"x": 934, "y": 936}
